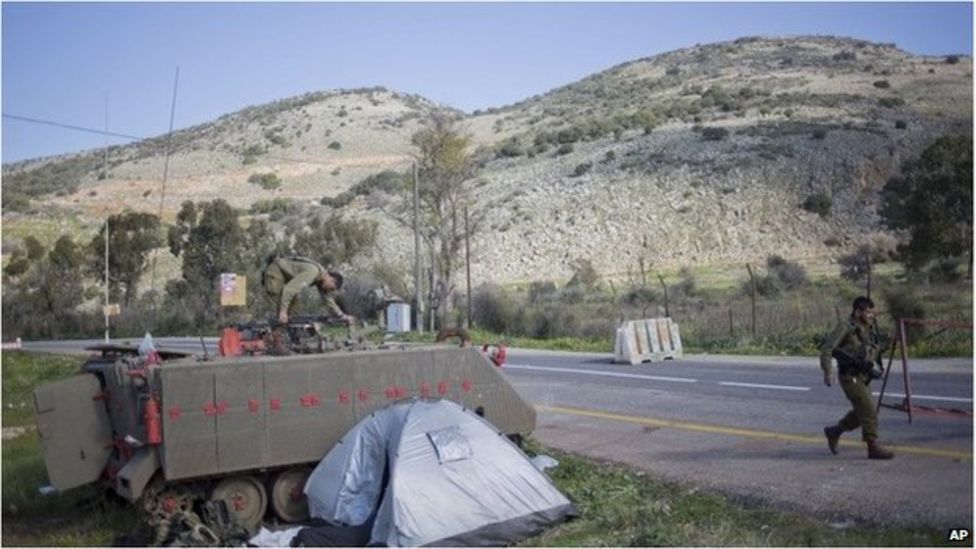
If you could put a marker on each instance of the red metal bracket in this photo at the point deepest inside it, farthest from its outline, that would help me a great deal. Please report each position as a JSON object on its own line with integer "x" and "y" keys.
{"x": 467, "y": 385}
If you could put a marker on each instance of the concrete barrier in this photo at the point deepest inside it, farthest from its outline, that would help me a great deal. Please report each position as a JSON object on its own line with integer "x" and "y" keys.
{"x": 12, "y": 345}
{"x": 649, "y": 339}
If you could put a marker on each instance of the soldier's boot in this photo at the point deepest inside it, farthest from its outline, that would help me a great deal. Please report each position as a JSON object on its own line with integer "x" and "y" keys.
{"x": 875, "y": 451}
{"x": 833, "y": 433}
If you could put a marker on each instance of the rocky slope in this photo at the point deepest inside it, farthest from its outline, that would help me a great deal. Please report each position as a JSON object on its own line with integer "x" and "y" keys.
{"x": 702, "y": 155}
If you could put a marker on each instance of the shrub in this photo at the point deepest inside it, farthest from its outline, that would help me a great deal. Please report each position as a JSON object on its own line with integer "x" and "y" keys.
{"x": 491, "y": 309}
{"x": 609, "y": 157}
{"x": 714, "y": 134}
{"x": 901, "y": 124}
{"x": 688, "y": 285}
{"x": 541, "y": 290}
{"x": 14, "y": 201}
{"x": 791, "y": 274}
{"x": 818, "y": 203}
{"x": 768, "y": 285}
{"x": 564, "y": 149}
{"x": 582, "y": 169}
{"x": 946, "y": 270}
{"x": 820, "y": 133}
{"x": 335, "y": 145}
{"x": 903, "y": 302}
{"x": 891, "y": 102}
{"x": 882, "y": 84}
{"x": 584, "y": 275}
{"x": 951, "y": 59}
{"x": 511, "y": 148}
{"x": 673, "y": 70}
{"x": 845, "y": 56}
{"x": 268, "y": 181}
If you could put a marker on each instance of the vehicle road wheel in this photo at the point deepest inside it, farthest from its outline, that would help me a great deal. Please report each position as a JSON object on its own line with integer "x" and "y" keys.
{"x": 245, "y": 498}
{"x": 288, "y": 495}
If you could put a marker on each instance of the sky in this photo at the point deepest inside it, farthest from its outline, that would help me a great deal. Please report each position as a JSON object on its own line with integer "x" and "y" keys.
{"x": 63, "y": 62}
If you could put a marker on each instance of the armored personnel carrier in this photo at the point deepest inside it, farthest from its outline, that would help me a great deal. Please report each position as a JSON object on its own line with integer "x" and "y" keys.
{"x": 168, "y": 430}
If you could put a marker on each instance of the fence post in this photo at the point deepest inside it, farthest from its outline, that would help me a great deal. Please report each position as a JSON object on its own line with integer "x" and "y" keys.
{"x": 731, "y": 331}
{"x": 667, "y": 309}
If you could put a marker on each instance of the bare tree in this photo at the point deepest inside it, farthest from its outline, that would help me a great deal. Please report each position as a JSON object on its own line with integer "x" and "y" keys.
{"x": 445, "y": 169}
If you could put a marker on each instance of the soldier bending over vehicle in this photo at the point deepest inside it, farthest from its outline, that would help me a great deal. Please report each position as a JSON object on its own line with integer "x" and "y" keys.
{"x": 285, "y": 277}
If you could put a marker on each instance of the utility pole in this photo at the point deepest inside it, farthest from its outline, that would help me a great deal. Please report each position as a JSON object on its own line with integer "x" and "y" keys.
{"x": 418, "y": 289}
{"x": 752, "y": 284}
{"x": 467, "y": 261}
{"x": 106, "y": 278}
{"x": 105, "y": 171}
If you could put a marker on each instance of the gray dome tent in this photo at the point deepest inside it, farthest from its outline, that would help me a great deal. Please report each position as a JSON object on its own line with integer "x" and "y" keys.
{"x": 429, "y": 472}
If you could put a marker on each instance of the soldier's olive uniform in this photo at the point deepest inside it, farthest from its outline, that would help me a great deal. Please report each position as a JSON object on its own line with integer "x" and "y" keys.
{"x": 859, "y": 342}
{"x": 286, "y": 277}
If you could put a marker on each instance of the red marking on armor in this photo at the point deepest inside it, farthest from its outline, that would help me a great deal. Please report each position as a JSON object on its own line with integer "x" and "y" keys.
{"x": 363, "y": 395}
{"x": 209, "y": 408}
{"x": 276, "y": 404}
{"x": 240, "y": 502}
{"x": 391, "y": 392}
{"x": 222, "y": 407}
{"x": 253, "y": 405}
{"x": 466, "y": 385}
{"x": 442, "y": 387}
{"x": 169, "y": 504}
{"x": 296, "y": 493}
{"x": 344, "y": 397}
{"x": 175, "y": 413}
{"x": 101, "y": 395}
{"x": 425, "y": 389}
{"x": 401, "y": 392}
{"x": 310, "y": 399}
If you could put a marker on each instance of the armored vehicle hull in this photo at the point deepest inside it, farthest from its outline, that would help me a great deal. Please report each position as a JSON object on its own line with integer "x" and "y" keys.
{"x": 243, "y": 429}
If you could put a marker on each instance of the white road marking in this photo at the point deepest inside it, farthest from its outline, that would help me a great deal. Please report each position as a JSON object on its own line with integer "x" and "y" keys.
{"x": 927, "y": 397}
{"x": 607, "y": 374}
{"x": 725, "y": 383}
{"x": 760, "y": 386}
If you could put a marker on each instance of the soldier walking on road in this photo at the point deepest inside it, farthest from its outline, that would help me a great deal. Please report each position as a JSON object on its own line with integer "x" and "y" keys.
{"x": 856, "y": 345}
{"x": 285, "y": 277}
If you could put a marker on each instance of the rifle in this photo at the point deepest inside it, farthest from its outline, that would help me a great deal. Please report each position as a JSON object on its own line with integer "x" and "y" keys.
{"x": 844, "y": 361}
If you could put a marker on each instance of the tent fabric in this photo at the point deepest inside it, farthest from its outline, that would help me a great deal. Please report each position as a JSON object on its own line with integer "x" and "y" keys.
{"x": 430, "y": 472}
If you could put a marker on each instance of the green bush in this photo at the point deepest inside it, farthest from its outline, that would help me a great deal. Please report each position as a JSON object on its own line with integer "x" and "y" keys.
{"x": 582, "y": 169}
{"x": 714, "y": 134}
{"x": 891, "y": 102}
{"x": 820, "y": 133}
{"x": 268, "y": 181}
{"x": 882, "y": 84}
{"x": 903, "y": 302}
{"x": 818, "y": 203}
{"x": 511, "y": 148}
{"x": 901, "y": 124}
{"x": 335, "y": 145}
{"x": 564, "y": 149}
{"x": 951, "y": 59}
{"x": 792, "y": 275}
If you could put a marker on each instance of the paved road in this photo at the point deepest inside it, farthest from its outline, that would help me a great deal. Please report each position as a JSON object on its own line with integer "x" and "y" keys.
{"x": 749, "y": 427}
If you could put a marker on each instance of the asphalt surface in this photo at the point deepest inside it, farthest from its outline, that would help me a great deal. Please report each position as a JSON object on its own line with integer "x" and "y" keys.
{"x": 749, "y": 427}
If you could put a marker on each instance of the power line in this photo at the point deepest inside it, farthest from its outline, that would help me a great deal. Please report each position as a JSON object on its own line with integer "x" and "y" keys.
{"x": 72, "y": 127}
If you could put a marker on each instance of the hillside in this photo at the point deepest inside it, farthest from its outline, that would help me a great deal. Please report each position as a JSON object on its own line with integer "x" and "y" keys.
{"x": 705, "y": 154}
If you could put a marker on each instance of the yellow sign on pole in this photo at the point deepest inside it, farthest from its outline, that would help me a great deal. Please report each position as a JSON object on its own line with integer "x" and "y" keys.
{"x": 112, "y": 309}
{"x": 233, "y": 290}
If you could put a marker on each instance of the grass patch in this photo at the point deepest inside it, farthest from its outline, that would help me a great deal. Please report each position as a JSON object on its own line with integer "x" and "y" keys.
{"x": 622, "y": 507}
{"x": 22, "y": 372}
{"x": 80, "y": 517}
